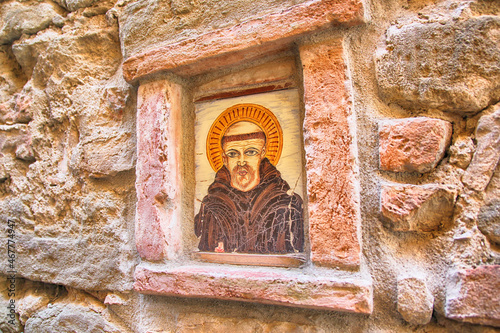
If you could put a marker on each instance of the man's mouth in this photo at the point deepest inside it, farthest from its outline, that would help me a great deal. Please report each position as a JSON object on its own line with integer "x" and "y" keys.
{"x": 242, "y": 173}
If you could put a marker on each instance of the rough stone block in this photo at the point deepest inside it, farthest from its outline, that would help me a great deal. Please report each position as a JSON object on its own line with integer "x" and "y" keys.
{"x": 158, "y": 183}
{"x": 66, "y": 318}
{"x": 16, "y": 138}
{"x": 413, "y": 144}
{"x": 472, "y": 296}
{"x": 76, "y": 263}
{"x": 488, "y": 220}
{"x": 238, "y": 43}
{"x": 450, "y": 65}
{"x": 332, "y": 184}
{"x": 417, "y": 207}
{"x": 21, "y": 18}
{"x": 290, "y": 288}
{"x": 11, "y": 77}
{"x": 415, "y": 302}
{"x": 461, "y": 152}
{"x": 105, "y": 153}
{"x": 478, "y": 174}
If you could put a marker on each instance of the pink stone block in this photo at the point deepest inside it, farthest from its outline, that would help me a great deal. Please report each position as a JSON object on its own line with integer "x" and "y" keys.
{"x": 333, "y": 189}
{"x": 473, "y": 296}
{"x": 281, "y": 288}
{"x": 244, "y": 41}
{"x": 158, "y": 182}
{"x": 413, "y": 144}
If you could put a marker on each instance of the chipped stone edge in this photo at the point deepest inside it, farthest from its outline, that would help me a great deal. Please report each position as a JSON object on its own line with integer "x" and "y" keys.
{"x": 233, "y": 44}
{"x": 352, "y": 293}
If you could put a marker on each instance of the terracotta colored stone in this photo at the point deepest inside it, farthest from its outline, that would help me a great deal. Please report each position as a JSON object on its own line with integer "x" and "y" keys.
{"x": 158, "y": 230}
{"x": 478, "y": 174}
{"x": 417, "y": 207}
{"x": 290, "y": 288}
{"x": 274, "y": 75}
{"x": 330, "y": 157}
{"x": 413, "y": 144}
{"x": 473, "y": 296}
{"x": 238, "y": 43}
{"x": 415, "y": 302}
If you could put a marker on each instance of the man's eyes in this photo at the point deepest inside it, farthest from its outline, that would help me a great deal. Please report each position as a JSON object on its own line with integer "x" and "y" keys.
{"x": 251, "y": 152}
{"x": 232, "y": 154}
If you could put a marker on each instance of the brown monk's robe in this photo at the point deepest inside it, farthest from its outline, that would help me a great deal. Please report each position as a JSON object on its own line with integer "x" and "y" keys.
{"x": 263, "y": 220}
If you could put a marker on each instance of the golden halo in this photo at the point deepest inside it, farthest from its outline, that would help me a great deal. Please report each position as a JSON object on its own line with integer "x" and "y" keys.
{"x": 254, "y": 113}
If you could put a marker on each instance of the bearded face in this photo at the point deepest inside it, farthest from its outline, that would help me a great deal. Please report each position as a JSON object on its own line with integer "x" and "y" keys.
{"x": 242, "y": 159}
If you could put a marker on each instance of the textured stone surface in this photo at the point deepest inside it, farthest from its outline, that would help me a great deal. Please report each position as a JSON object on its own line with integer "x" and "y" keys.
{"x": 417, "y": 207}
{"x": 415, "y": 302}
{"x": 96, "y": 263}
{"x": 488, "y": 220}
{"x": 488, "y": 217}
{"x": 478, "y": 174}
{"x": 71, "y": 228}
{"x": 344, "y": 294}
{"x": 236, "y": 44}
{"x": 157, "y": 228}
{"x": 472, "y": 296}
{"x": 74, "y": 203}
{"x": 329, "y": 133}
{"x": 450, "y": 65}
{"x": 413, "y": 144}
{"x": 69, "y": 318}
{"x": 24, "y": 18}
{"x": 14, "y": 326}
{"x": 461, "y": 152}
{"x": 199, "y": 322}
{"x": 16, "y": 139}
{"x": 73, "y": 5}
{"x": 275, "y": 75}
{"x": 11, "y": 77}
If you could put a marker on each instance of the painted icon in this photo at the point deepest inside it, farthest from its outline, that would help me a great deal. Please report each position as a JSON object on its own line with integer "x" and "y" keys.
{"x": 249, "y": 208}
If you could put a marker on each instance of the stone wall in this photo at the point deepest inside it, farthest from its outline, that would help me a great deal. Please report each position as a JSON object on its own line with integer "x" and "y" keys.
{"x": 423, "y": 83}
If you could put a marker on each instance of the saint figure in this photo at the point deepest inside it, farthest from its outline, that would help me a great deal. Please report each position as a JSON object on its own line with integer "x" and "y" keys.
{"x": 249, "y": 208}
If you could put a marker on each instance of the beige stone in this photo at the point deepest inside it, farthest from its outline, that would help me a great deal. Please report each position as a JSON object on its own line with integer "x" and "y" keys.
{"x": 450, "y": 65}
{"x": 415, "y": 302}
{"x": 417, "y": 207}
{"x": 16, "y": 139}
{"x": 488, "y": 217}
{"x": 69, "y": 318}
{"x": 472, "y": 295}
{"x": 478, "y": 174}
{"x": 24, "y": 18}
{"x": 105, "y": 154}
{"x": 196, "y": 322}
{"x": 330, "y": 157}
{"x": 11, "y": 77}
{"x": 488, "y": 220}
{"x": 413, "y": 144}
{"x": 461, "y": 152}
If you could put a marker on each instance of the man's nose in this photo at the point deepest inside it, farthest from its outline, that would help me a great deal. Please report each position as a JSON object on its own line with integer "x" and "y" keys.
{"x": 241, "y": 160}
